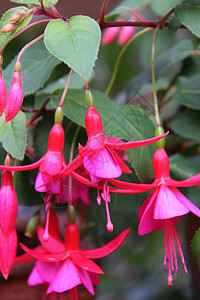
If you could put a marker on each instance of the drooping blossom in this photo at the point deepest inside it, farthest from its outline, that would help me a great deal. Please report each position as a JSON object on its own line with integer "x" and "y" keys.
{"x": 63, "y": 265}
{"x": 8, "y": 204}
{"x": 8, "y": 250}
{"x": 15, "y": 95}
{"x": 163, "y": 208}
{"x": 51, "y": 164}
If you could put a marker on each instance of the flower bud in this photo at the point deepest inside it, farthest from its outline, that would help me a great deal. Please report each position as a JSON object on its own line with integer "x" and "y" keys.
{"x": 3, "y": 93}
{"x": 126, "y": 33}
{"x": 16, "y": 17}
{"x": 8, "y": 27}
{"x": 15, "y": 97}
{"x": 109, "y": 35}
{"x": 8, "y": 204}
{"x": 8, "y": 250}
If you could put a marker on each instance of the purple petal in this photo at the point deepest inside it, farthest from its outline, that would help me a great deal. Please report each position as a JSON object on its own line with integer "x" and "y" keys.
{"x": 102, "y": 164}
{"x": 47, "y": 270}
{"x": 66, "y": 278}
{"x": 167, "y": 205}
{"x": 38, "y": 182}
{"x": 35, "y": 278}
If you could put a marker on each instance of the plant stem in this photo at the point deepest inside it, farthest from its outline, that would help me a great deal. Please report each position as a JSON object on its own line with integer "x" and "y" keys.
{"x": 37, "y": 114}
{"x": 155, "y": 99}
{"x": 65, "y": 89}
{"x": 102, "y": 13}
{"x": 28, "y": 45}
{"x": 114, "y": 74}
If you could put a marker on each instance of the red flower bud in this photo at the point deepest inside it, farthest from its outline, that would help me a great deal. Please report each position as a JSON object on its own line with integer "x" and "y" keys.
{"x": 3, "y": 93}
{"x": 8, "y": 28}
{"x": 15, "y": 97}
{"x": 16, "y": 17}
{"x": 8, "y": 204}
{"x": 8, "y": 250}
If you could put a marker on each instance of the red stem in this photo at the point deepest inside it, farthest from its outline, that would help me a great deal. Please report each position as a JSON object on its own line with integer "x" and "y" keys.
{"x": 102, "y": 13}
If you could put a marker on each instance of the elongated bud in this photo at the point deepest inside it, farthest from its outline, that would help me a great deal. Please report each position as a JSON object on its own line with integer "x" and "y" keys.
{"x": 8, "y": 250}
{"x": 59, "y": 115}
{"x": 89, "y": 98}
{"x": 109, "y": 35}
{"x": 32, "y": 225}
{"x": 15, "y": 95}
{"x": 8, "y": 204}
{"x": 8, "y": 27}
{"x": 3, "y": 92}
{"x": 159, "y": 131}
{"x": 16, "y": 17}
{"x": 126, "y": 33}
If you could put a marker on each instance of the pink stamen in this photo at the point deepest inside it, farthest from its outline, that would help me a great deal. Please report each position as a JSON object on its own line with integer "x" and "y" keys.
{"x": 174, "y": 249}
{"x": 47, "y": 200}
{"x": 170, "y": 278}
{"x": 179, "y": 249}
{"x": 165, "y": 245}
{"x": 109, "y": 223}
{"x": 98, "y": 198}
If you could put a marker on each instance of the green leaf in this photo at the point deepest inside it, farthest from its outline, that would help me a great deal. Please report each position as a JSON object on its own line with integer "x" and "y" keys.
{"x": 188, "y": 92}
{"x": 161, "y": 8}
{"x": 35, "y": 2}
{"x": 141, "y": 126}
{"x": 126, "y": 122}
{"x": 187, "y": 124}
{"x": 127, "y": 5}
{"x": 164, "y": 63}
{"x": 196, "y": 246}
{"x": 75, "y": 42}
{"x": 13, "y": 135}
{"x": 189, "y": 16}
{"x": 183, "y": 167}
{"x": 5, "y": 37}
{"x": 37, "y": 66}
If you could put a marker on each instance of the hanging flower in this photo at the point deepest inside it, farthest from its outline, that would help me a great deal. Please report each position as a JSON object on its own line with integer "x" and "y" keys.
{"x": 164, "y": 207}
{"x": 64, "y": 265}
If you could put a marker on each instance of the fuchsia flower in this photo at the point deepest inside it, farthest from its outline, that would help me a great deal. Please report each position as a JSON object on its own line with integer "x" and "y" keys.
{"x": 63, "y": 265}
{"x": 100, "y": 158}
{"x": 8, "y": 204}
{"x": 51, "y": 164}
{"x": 15, "y": 97}
{"x": 163, "y": 208}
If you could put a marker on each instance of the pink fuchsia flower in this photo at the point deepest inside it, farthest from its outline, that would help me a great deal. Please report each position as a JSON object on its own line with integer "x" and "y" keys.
{"x": 15, "y": 95}
{"x": 8, "y": 250}
{"x": 51, "y": 164}
{"x": 164, "y": 207}
{"x": 8, "y": 204}
{"x": 3, "y": 92}
{"x": 64, "y": 265}
{"x": 100, "y": 157}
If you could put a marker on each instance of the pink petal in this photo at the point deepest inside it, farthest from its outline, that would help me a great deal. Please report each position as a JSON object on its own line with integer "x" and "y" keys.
{"x": 190, "y": 206}
{"x": 102, "y": 164}
{"x": 195, "y": 180}
{"x": 53, "y": 245}
{"x": 8, "y": 250}
{"x": 144, "y": 206}
{"x": 66, "y": 278}
{"x": 47, "y": 270}
{"x": 54, "y": 187}
{"x": 52, "y": 163}
{"x": 34, "y": 278}
{"x": 83, "y": 179}
{"x": 84, "y": 263}
{"x": 167, "y": 205}
{"x": 134, "y": 144}
{"x": 108, "y": 248}
{"x": 94, "y": 278}
{"x": 147, "y": 222}
{"x": 26, "y": 257}
{"x": 86, "y": 281}
{"x": 40, "y": 182}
